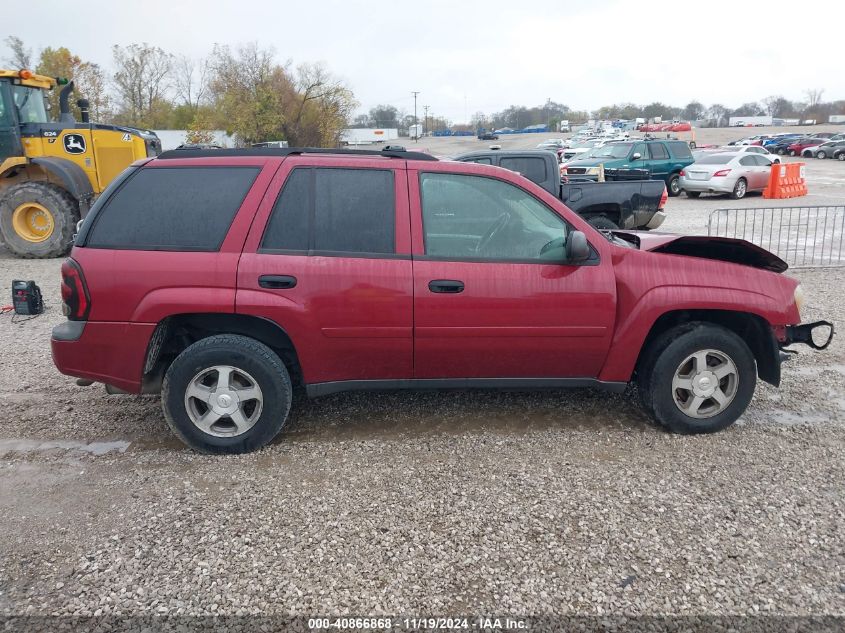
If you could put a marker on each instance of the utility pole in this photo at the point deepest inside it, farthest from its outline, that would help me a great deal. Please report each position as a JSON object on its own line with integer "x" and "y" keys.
{"x": 415, "y": 93}
{"x": 425, "y": 120}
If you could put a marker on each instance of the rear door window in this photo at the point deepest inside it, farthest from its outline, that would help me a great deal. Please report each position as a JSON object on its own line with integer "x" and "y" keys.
{"x": 172, "y": 209}
{"x": 327, "y": 211}
{"x": 680, "y": 149}
{"x": 658, "y": 151}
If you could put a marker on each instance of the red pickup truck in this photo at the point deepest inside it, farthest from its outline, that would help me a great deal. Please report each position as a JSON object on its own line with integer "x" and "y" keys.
{"x": 225, "y": 278}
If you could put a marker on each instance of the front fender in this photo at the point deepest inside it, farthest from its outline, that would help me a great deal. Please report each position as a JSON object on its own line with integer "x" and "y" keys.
{"x": 72, "y": 177}
{"x": 633, "y": 328}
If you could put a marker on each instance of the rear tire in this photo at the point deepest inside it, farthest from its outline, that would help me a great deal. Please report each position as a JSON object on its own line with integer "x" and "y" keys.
{"x": 822, "y": 154}
{"x": 696, "y": 378}
{"x": 841, "y": 156}
{"x": 782, "y": 152}
{"x": 693, "y": 194}
{"x": 673, "y": 186}
{"x": 248, "y": 374}
{"x": 740, "y": 189}
{"x": 38, "y": 220}
{"x": 792, "y": 152}
{"x": 602, "y": 223}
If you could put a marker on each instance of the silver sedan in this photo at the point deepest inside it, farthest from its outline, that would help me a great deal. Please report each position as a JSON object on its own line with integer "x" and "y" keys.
{"x": 730, "y": 172}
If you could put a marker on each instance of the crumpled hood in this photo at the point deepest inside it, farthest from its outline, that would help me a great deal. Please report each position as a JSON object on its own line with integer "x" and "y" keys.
{"x": 724, "y": 249}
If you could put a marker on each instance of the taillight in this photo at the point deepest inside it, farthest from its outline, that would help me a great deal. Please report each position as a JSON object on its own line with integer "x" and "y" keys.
{"x": 722, "y": 172}
{"x": 683, "y": 173}
{"x": 664, "y": 197}
{"x": 76, "y": 302}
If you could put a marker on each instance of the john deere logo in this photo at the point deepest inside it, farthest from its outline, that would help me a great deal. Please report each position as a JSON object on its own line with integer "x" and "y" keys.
{"x": 74, "y": 143}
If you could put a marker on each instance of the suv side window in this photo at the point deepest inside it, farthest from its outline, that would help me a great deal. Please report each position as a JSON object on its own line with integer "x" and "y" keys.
{"x": 658, "y": 151}
{"x": 331, "y": 211}
{"x": 475, "y": 217}
{"x": 680, "y": 149}
{"x": 532, "y": 168}
{"x": 172, "y": 209}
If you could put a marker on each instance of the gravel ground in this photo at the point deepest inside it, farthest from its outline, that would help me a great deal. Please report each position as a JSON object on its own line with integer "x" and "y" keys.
{"x": 551, "y": 503}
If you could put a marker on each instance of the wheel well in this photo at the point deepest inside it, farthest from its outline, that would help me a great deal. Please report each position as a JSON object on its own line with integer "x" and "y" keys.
{"x": 753, "y": 329}
{"x": 613, "y": 211}
{"x": 177, "y": 332}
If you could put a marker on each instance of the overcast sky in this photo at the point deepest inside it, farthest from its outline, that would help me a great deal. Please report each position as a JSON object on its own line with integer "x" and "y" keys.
{"x": 465, "y": 55}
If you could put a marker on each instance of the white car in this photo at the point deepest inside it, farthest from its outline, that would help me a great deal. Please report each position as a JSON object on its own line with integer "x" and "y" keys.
{"x": 752, "y": 149}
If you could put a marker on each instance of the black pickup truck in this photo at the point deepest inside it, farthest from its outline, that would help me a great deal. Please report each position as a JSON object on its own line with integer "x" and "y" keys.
{"x": 626, "y": 204}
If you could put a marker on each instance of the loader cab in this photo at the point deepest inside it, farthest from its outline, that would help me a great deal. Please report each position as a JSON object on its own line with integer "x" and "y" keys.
{"x": 20, "y": 104}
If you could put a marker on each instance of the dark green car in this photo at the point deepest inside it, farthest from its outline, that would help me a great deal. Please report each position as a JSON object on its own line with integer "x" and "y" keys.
{"x": 663, "y": 160}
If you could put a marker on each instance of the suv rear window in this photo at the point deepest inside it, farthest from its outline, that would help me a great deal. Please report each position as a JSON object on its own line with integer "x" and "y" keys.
{"x": 333, "y": 210}
{"x": 532, "y": 168}
{"x": 172, "y": 209}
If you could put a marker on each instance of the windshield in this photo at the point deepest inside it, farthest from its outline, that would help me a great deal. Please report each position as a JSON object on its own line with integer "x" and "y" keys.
{"x": 30, "y": 104}
{"x": 586, "y": 145}
{"x": 614, "y": 150}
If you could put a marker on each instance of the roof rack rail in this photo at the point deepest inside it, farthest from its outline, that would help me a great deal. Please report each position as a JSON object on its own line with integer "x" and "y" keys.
{"x": 390, "y": 151}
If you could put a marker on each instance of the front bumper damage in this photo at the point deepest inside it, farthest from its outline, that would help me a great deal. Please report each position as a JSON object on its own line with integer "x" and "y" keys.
{"x": 805, "y": 333}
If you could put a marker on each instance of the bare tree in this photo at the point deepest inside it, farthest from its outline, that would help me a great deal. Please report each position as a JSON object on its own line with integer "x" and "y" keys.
{"x": 142, "y": 80}
{"x": 814, "y": 97}
{"x": 191, "y": 79}
{"x": 21, "y": 56}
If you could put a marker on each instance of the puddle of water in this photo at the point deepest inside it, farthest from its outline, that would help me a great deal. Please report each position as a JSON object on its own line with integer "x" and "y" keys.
{"x": 30, "y": 446}
{"x": 816, "y": 370}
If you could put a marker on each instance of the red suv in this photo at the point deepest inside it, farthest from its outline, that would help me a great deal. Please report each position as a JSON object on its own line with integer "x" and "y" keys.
{"x": 223, "y": 278}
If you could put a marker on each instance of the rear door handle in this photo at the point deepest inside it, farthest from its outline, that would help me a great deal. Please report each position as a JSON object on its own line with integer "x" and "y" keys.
{"x": 446, "y": 285}
{"x": 277, "y": 282}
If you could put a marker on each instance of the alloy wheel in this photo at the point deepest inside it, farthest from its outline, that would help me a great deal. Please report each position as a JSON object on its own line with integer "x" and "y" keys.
{"x": 705, "y": 383}
{"x": 223, "y": 401}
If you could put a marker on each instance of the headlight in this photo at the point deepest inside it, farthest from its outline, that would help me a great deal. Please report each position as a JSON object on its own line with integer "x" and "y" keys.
{"x": 799, "y": 297}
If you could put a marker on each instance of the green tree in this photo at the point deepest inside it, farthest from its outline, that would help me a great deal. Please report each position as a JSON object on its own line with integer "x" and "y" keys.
{"x": 89, "y": 82}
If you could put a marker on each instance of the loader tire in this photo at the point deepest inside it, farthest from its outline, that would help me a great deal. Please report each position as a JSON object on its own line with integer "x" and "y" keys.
{"x": 38, "y": 220}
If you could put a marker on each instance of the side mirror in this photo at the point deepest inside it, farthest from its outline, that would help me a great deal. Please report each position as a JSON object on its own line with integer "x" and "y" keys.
{"x": 577, "y": 248}
{"x": 636, "y": 156}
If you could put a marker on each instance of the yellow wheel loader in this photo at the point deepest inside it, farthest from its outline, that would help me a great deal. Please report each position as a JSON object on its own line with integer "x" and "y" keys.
{"x": 52, "y": 171}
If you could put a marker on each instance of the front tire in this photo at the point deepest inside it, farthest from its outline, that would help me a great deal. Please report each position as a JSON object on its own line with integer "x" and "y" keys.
{"x": 841, "y": 156}
{"x": 740, "y": 189}
{"x": 673, "y": 186}
{"x": 602, "y": 223}
{"x": 697, "y": 378}
{"x": 792, "y": 152}
{"x": 226, "y": 394}
{"x": 38, "y": 220}
{"x": 821, "y": 154}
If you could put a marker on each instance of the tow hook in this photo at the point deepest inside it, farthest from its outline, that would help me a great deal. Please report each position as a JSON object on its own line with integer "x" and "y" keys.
{"x": 804, "y": 334}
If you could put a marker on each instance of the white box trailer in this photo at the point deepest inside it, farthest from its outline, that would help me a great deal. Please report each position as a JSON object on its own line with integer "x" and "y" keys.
{"x": 750, "y": 121}
{"x": 368, "y": 135}
{"x": 415, "y": 131}
{"x": 836, "y": 118}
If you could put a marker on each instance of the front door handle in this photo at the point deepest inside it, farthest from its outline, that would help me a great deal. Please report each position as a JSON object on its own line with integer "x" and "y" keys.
{"x": 446, "y": 285}
{"x": 277, "y": 282}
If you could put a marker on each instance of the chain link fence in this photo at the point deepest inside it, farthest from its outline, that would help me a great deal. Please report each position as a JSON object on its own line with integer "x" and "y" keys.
{"x": 804, "y": 237}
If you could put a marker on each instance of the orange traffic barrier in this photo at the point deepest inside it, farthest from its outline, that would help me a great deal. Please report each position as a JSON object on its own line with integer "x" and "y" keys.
{"x": 786, "y": 180}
